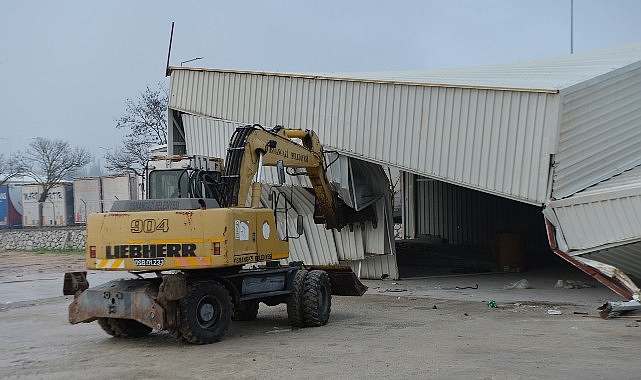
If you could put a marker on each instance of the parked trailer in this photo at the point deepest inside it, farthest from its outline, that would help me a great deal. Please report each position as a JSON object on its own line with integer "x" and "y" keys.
{"x": 87, "y": 198}
{"x": 116, "y": 188}
{"x": 57, "y": 210}
{"x": 10, "y": 206}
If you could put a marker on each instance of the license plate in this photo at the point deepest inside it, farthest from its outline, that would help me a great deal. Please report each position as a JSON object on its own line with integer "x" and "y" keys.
{"x": 150, "y": 262}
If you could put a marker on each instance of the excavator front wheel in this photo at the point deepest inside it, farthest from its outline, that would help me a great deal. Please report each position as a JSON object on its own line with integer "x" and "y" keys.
{"x": 295, "y": 300}
{"x": 205, "y": 313}
{"x": 317, "y": 298}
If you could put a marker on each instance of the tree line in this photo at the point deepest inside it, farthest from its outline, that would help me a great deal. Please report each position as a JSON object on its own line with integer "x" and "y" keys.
{"x": 48, "y": 161}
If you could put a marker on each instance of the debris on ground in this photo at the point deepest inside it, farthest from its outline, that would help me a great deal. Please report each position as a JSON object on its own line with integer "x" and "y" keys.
{"x": 395, "y": 290}
{"x": 492, "y": 304}
{"x": 615, "y": 309}
{"x": 475, "y": 286}
{"x": 554, "y": 312}
{"x": 572, "y": 284}
{"x": 520, "y": 284}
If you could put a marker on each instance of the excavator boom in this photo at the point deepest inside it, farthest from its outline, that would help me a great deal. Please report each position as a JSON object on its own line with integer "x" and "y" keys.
{"x": 253, "y": 147}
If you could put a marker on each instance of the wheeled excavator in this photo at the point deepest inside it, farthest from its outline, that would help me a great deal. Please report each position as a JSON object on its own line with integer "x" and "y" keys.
{"x": 203, "y": 249}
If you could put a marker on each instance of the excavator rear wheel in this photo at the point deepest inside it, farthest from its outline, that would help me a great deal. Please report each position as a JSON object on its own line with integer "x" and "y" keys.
{"x": 124, "y": 328}
{"x": 317, "y": 298}
{"x": 205, "y": 313}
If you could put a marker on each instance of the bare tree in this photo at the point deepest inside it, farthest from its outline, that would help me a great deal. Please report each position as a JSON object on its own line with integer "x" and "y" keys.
{"x": 48, "y": 161}
{"x": 145, "y": 119}
{"x": 10, "y": 167}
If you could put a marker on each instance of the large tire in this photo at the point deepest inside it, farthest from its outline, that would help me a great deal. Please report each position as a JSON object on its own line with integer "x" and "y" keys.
{"x": 124, "y": 328}
{"x": 246, "y": 311}
{"x": 295, "y": 300}
{"x": 205, "y": 313}
{"x": 317, "y": 298}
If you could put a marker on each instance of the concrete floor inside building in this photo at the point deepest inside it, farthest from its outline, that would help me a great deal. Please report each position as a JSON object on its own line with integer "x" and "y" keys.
{"x": 430, "y": 268}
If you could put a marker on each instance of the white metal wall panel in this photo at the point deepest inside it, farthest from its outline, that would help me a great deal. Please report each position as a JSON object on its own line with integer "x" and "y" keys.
{"x": 321, "y": 246}
{"x": 494, "y": 141}
{"x": 598, "y": 220}
{"x": 207, "y": 136}
{"x": 375, "y": 267}
{"x": 318, "y": 246}
{"x": 349, "y": 244}
{"x": 600, "y": 131}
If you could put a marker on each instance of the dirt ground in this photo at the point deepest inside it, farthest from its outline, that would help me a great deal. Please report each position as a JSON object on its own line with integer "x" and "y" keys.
{"x": 394, "y": 331}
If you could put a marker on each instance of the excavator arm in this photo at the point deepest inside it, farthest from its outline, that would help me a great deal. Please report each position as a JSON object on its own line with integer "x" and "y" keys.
{"x": 253, "y": 147}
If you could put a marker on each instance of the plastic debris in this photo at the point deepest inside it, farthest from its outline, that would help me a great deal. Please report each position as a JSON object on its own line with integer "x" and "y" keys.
{"x": 520, "y": 284}
{"x": 571, "y": 284}
{"x": 554, "y": 312}
{"x": 492, "y": 304}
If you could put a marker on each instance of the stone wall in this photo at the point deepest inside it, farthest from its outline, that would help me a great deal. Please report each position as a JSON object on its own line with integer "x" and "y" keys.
{"x": 43, "y": 238}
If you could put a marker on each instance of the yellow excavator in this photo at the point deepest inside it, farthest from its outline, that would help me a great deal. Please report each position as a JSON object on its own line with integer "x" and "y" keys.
{"x": 205, "y": 252}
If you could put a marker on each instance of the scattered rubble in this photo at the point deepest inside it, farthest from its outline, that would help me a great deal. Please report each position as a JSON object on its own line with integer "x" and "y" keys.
{"x": 520, "y": 284}
{"x": 572, "y": 284}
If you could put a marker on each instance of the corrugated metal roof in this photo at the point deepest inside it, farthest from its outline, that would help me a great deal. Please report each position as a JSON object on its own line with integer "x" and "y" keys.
{"x": 548, "y": 74}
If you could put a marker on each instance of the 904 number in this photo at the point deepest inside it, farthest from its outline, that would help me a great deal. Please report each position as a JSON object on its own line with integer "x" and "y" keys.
{"x": 149, "y": 225}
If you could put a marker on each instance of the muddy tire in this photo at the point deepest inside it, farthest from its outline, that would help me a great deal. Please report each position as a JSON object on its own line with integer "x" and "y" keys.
{"x": 205, "y": 313}
{"x": 174, "y": 331}
{"x": 246, "y": 311}
{"x": 124, "y": 328}
{"x": 317, "y": 298}
{"x": 295, "y": 300}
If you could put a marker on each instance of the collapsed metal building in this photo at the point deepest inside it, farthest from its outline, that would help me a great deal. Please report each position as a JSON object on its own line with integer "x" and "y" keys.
{"x": 559, "y": 135}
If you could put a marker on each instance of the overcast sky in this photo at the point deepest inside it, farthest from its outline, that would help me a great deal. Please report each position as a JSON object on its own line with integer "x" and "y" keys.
{"x": 66, "y": 67}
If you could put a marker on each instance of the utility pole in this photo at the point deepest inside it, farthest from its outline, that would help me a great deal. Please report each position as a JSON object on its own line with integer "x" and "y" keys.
{"x": 571, "y": 26}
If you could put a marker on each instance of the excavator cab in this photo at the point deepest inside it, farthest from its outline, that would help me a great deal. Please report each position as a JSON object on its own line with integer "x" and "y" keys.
{"x": 182, "y": 176}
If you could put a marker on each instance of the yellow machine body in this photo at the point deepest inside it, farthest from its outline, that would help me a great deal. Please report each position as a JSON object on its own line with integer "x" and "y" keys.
{"x": 182, "y": 239}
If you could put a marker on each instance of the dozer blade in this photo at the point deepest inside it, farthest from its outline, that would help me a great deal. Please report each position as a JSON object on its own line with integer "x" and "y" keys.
{"x": 343, "y": 280}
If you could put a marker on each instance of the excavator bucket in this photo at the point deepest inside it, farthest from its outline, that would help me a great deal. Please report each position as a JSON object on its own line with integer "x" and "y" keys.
{"x": 343, "y": 280}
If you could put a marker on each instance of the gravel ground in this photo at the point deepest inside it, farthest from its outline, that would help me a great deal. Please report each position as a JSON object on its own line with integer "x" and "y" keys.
{"x": 398, "y": 331}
